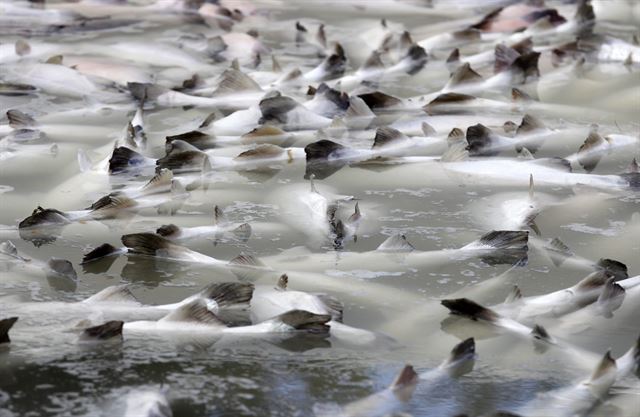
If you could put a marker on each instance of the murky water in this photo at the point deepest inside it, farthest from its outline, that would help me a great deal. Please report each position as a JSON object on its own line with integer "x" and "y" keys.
{"x": 436, "y": 205}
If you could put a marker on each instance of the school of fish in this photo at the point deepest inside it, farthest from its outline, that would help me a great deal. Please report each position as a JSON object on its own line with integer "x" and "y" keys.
{"x": 320, "y": 208}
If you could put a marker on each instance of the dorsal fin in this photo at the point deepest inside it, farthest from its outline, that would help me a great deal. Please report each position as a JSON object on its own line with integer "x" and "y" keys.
{"x": 322, "y": 150}
{"x": 161, "y": 181}
{"x": 228, "y": 294}
{"x": 145, "y": 243}
{"x": 358, "y": 108}
{"x": 321, "y": 36}
{"x": 519, "y": 95}
{"x": 20, "y": 120}
{"x": 506, "y": 239}
{"x": 510, "y": 128}
{"x": 457, "y": 151}
{"x": 246, "y": 260}
{"x": 435, "y": 105}
{"x": 195, "y": 311}
{"x": 5, "y": 326}
{"x": 62, "y": 267}
{"x": 529, "y": 124}
{"x": 504, "y": 57}
{"x": 168, "y": 230}
{"x": 463, "y": 75}
{"x": 481, "y": 140}
{"x": 467, "y": 308}
{"x": 262, "y": 151}
{"x": 397, "y": 243}
{"x": 123, "y": 159}
{"x": 427, "y": 129}
{"x": 113, "y": 294}
{"x": 463, "y": 350}
{"x": 406, "y": 377}
{"x": 235, "y": 81}
{"x": 195, "y": 138}
{"x": 559, "y": 251}
{"x": 415, "y": 59}
{"x": 372, "y": 62}
{"x": 379, "y": 100}
{"x": 219, "y": 217}
{"x": 540, "y": 333}
{"x": 453, "y": 60}
{"x": 514, "y": 295}
{"x": 386, "y": 136}
{"x": 242, "y": 232}
{"x": 109, "y": 330}
{"x": 526, "y": 65}
{"x": 606, "y": 366}
{"x": 593, "y": 141}
{"x": 41, "y": 216}
{"x": 112, "y": 201}
{"x": 531, "y": 187}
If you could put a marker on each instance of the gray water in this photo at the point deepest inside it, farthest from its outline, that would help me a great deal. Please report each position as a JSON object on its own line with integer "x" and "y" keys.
{"x": 45, "y": 372}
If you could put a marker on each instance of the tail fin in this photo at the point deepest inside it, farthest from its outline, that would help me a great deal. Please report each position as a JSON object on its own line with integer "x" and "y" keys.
{"x": 5, "y": 326}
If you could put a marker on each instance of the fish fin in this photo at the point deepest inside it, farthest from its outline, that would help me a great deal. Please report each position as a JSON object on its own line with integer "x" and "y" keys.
{"x": 514, "y": 295}
{"x": 406, "y": 377}
{"x": 213, "y": 116}
{"x": 283, "y": 282}
{"x": 372, "y": 62}
{"x": 194, "y": 138}
{"x": 162, "y": 180}
{"x": 55, "y": 60}
{"x": 219, "y": 217}
{"x": 379, "y": 100}
{"x": 274, "y": 108}
{"x": 177, "y": 160}
{"x": 443, "y": 99}
{"x": 613, "y": 267}
{"x": 305, "y": 321}
{"x": 487, "y": 19}
{"x": 611, "y": 297}
{"x": 195, "y": 311}
{"x": 558, "y": 251}
{"x": 633, "y": 167}
{"x": 113, "y": 294}
{"x": 526, "y": 65}
{"x": 112, "y": 201}
{"x": 5, "y": 326}
{"x": 109, "y": 330}
{"x": 397, "y": 243}
{"x": 506, "y": 239}
{"x": 228, "y": 294}
{"x": 20, "y": 120}
{"x": 321, "y": 36}
{"x": 264, "y": 150}
{"x": 301, "y": 31}
{"x": 540, "y": 333}
{"x": 455, "y": 152}
{"x": 41, "y": 216}
{"x": 427, "y": 129}
{"x": 386, "y": 136}
{"x": 124, "y": 158}
{"x": 504, "y": 57}
{"x": 321, "y": 150}
{"x": 263, "y": 131}
{"x": 529, "y": 123}
{"x": 246, "y": 260}
{"x": 453, "y": 60}
{"x": 235, "y": 81}
{"x": 145, "y": 91}
{"x": 480, "y": 140}
{"x": 333, "y": 305}
{"x": 358, "y": 108}
{"x": 531, "y": 191}
{"x": 100, "y": 252}
{"x": 62, "y": 267}
{"x": 592, "y": 281}
{"x": 606, "y": 366}
{"x": 168, "y": 230}
{"x": 275, "y": 65}
{"x": 470, "y": 309}
{"x": 242, "y": 232}
{"x": 417, "y": 58}
{"x": 462, "y": 350}
{"x": 464, "y": 74}
{"x": 145, "y": 243}
{"x": 519, "y": 95}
